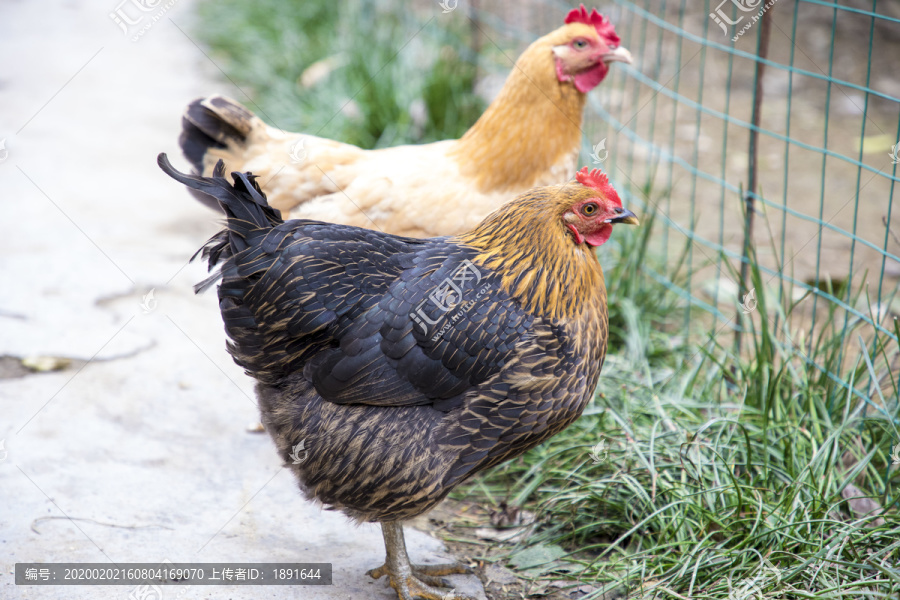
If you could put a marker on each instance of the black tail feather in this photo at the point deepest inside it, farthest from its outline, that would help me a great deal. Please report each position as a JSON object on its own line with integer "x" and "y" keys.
{"x": 245, "y": 206}
{"x": 213, "y": 122}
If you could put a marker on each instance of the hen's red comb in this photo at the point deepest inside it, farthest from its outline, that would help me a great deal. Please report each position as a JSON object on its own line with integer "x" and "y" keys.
{"x": 598, "y": 180}
{"x": 604, "y": 28}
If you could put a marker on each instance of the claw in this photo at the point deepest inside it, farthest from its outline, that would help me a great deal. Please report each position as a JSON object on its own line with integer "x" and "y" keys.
{"x": 441, "y": 570}
{"x": 425, "y": 581}
{"x": 431, "y": 580}
{"x": 378, "y": 572}
{"x": 414, "y": 588}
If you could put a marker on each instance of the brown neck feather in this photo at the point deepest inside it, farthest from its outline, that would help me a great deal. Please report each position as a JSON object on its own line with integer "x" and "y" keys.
{"x": 542, "y": 267}
{"x": 533, "y": 124}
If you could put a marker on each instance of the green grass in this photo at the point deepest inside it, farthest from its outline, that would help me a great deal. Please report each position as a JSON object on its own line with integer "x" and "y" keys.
{"x": 719, "y": 473}
{"x": 717, "y": 468}
{"x": 373, "y": 95}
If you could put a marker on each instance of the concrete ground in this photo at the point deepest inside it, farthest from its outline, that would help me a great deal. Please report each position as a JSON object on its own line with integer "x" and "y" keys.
{"x": 136, "y": 449}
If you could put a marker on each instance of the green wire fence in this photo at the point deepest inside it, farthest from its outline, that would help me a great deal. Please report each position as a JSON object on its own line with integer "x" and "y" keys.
{"x": 762, "y": 132}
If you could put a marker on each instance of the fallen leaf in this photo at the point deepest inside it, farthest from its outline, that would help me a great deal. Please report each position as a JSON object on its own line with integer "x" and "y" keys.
{"x": 499, "y": 574}
{"x": 861, "y": 506}
{"x": 44, "y": 364}
{"x": 537, "y": 560}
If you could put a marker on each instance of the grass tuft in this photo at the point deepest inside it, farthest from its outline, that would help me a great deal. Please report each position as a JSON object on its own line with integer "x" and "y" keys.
{"x": 724, "y": 475}
{"x": 326, "y": 69}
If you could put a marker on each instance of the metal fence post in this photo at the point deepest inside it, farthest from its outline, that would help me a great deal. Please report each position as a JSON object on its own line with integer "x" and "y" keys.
{"x": 762, "y": 52}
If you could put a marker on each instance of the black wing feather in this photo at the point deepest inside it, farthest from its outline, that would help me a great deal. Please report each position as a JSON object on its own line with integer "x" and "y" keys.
{"x": 334, "y": 303}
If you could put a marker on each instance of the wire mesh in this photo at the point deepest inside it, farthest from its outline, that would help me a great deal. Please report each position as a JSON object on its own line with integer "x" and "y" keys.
{"x": 677, "y": 128}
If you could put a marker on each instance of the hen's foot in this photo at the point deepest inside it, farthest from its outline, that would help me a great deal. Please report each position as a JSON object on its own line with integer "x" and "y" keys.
{"x": 415, "y": 586}
{"x": 415, "y": 581}
{"x": 430, "y": 575}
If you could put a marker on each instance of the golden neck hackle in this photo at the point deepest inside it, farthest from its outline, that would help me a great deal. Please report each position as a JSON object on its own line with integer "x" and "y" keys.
{"x": 533, "y": 107}
{"x": 542, "y": 267}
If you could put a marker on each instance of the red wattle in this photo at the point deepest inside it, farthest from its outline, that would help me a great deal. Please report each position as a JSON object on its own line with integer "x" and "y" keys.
{"x": 588, "y": 80}
{"x": 599, "y": 237}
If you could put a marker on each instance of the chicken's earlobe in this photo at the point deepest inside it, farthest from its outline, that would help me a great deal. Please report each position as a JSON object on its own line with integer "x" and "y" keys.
{"x": 579, "y": 239}
{"x": 558, "y": 53}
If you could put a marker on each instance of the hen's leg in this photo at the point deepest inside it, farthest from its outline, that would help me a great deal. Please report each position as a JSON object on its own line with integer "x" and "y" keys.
{"x": 414, "y": 581}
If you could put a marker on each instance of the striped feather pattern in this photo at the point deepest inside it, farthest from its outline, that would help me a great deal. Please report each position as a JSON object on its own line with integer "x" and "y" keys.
{"x": 405, "y": 366}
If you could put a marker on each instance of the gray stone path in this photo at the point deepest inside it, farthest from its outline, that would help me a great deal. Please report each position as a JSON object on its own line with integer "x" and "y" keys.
{"x": 138, "y": 451}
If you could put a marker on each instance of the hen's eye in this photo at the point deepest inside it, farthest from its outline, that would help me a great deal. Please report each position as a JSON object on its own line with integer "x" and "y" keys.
{"x": 579, "y": 44}
{"x": 589, "y": 209}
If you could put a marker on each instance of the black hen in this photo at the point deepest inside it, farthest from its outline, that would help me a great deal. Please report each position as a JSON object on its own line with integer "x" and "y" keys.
{"x": 400, "y": 366}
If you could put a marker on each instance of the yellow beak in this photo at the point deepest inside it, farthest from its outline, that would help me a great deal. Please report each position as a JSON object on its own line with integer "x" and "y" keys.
{"x": 627, "y": 217}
